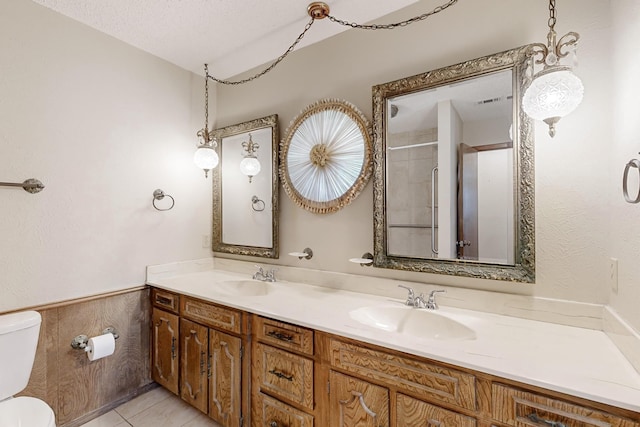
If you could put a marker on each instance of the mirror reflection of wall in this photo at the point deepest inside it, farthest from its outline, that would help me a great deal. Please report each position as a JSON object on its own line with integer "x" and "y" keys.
{"x": 450, "y": 172}
{"x": 244, "y": 225}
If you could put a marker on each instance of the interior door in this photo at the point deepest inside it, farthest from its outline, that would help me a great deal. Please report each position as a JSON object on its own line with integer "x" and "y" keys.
{"x": 467, "y": 243}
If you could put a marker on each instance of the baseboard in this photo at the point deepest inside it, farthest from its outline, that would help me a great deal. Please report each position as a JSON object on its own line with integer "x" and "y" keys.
{"x": 109, "y": 407}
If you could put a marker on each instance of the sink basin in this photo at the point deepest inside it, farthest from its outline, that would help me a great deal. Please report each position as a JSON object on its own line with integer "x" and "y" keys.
{"x": 413, "y": 322}
{"x": 244, "y": 288}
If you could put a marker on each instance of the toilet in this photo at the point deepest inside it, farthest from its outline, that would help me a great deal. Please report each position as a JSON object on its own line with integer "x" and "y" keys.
{"x": 18, "y": 342}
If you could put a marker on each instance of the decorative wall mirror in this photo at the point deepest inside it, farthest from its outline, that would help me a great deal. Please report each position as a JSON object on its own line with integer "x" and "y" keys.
{"x": 245, "y": 189}
{"x": 326, "y": 156}
{"x": 454, "y": 171}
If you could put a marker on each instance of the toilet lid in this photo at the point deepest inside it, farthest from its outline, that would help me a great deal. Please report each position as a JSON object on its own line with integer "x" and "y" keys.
{"x": 26, "y": 412}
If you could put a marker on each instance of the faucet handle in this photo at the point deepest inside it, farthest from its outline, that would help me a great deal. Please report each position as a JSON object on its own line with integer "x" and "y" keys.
{"x": 431, "y": 301}
{"x": 411, "y": 296}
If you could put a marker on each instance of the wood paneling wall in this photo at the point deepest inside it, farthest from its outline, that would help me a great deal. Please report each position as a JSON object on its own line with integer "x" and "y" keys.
{"x": 76, "y": 388}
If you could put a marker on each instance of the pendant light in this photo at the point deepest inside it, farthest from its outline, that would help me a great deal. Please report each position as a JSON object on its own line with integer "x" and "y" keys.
{"x": 555, "y": 91}
{"x": 205, "y": 156}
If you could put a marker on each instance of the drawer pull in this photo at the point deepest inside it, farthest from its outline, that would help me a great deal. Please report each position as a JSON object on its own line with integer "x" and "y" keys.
{"x": 541, "y": 421}
{"x": 280, "y": 336}
{"x": 164, "y": 300}
{"x": 274, "y": 424}
{"x": 281, "y": 375}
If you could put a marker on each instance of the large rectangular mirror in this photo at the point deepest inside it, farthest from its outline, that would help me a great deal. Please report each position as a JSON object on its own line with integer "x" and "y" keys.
{"x": 245, "y": 189}
{"x": 453, "y": 171}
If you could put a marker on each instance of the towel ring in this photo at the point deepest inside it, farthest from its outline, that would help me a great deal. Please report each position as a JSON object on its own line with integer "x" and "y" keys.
{"x": 159, "y": 195}
{"x": 634, "y": 163}
{"x": 257, "y": 204}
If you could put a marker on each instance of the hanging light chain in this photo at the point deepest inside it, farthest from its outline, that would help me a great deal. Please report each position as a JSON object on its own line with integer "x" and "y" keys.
{"x": 206, "y": 97}
{"x": 552, "y": 15}
{"x": 394, "y": 25}
{"x": 270, "y": 67}
{"x": 337, "y": 21}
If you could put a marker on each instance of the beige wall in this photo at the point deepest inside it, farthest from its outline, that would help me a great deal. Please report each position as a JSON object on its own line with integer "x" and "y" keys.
{"x": 102, "y": 125}
{"x": 624, "y": 218}
{"x": 571, "y": 169}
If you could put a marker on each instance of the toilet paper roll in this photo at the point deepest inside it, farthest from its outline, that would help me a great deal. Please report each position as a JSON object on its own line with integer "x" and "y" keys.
{"x": 100, "y": 346}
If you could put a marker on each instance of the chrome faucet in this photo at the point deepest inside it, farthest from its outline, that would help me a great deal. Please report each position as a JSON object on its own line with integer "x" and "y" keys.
{"x": 268, "y": 276}
{"x": 419, "y": 301}
{"x": 431, "y": 303}
{"x": 411, "y": 297}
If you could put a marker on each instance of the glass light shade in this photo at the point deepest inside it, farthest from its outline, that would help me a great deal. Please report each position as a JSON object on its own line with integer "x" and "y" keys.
{"x": 553, "y": 94}
{"x": 205, "y": 157}
{"x": 250, "y": 166}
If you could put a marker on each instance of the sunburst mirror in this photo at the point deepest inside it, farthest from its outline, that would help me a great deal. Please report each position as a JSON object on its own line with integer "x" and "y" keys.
{"x": 325, "y": 158}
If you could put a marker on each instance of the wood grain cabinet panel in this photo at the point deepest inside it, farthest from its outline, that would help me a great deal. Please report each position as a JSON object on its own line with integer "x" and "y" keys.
{"x": 193, "y": 364}
{"x": 520, "y": 408}
{"x": 357, "y": 403}
{"x": 417, "y": 376}
{"x": 284, "y": 335}
{"x": 215, "y": 316}
{"x": 411, "y": 412}
{"x": 165, "y": 300}
{"x": 225, "y": 373}
{"x": 164, "y": 350}
{"x": 269, "y": 412}
{"x": 284, "y": 374}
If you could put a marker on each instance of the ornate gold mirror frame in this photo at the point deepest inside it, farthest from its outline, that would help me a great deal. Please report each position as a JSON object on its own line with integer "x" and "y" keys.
{"x": 245, "y": 209}
{"x": 523, "y": 268}
{"x": 325, "y": 159}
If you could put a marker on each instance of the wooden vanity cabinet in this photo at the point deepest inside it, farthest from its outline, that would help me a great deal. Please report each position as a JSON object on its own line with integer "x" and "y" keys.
{"x": 297, "y": 377}
{"x": 201, "y": 352}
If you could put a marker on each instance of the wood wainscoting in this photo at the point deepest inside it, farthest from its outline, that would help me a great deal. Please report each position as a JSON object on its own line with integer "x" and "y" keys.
{"x": 77, "y": 389}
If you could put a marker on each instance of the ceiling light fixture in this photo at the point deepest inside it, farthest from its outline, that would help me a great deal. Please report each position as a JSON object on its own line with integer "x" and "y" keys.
{"x": 205, "y": 156}
{"x": 250, "y": 165}
{"x": 554, "y": 91}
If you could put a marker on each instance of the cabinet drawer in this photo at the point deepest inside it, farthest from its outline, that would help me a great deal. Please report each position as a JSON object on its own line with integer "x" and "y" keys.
{"x": 525, "y": 409}
{"x": 283, "y": 374}
{"x": 284, "y": 335}
{"x": 165, "y": 299}
{"x": 269, "y": 412}
{"x": 414, "y": 412}
{"x": 211, "y": 315}
{"x": 423, "y": 378}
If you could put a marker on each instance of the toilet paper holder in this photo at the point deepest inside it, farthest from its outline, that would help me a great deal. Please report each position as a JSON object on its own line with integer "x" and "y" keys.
{"x": 80, "y": 342}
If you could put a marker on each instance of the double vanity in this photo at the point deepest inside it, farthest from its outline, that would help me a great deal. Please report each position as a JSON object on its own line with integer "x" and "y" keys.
{"x": 284, "y": 354}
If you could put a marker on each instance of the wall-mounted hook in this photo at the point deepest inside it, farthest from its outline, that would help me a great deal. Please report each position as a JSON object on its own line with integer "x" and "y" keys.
{"x": 159, "y": 195}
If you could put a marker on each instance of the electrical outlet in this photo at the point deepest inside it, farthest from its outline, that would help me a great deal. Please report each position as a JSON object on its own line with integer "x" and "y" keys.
{"x": 613, "y": 274}
{"x": 206, "y": 241}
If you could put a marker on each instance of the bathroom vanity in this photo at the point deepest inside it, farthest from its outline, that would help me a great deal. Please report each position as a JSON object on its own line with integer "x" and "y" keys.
{"x": 293, "y": 355}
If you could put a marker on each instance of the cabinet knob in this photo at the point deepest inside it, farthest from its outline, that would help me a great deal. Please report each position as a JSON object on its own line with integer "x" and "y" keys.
{"x": 273, "y": 424}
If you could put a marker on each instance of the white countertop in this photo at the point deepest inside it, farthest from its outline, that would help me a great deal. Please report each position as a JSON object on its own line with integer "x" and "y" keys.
{"x": 580, "y": 362}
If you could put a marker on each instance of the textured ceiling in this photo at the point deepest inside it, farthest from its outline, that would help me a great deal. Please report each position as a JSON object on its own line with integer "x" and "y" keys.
{"x": 232, "y": 36}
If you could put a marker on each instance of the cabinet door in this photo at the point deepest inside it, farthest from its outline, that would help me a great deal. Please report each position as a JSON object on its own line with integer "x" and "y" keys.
{"x": 354, "y": 402}
{"x": 193, "y": 364}
{"x": 225, "y": 371}
{"x": 164, "y": 350}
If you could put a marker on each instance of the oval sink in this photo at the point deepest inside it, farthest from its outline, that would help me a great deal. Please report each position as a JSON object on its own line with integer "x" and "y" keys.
{"x": 417, "y": 323}
{"x": 244, "y": 288}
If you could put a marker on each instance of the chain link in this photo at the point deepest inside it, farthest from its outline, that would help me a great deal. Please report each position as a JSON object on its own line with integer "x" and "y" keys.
{"x": 206, "y": 97}
{"x": 394, "y": 25}
{"x": 270, "y": 67}
{"x": 552, "y": 14}
{"x": 337, "y": 21}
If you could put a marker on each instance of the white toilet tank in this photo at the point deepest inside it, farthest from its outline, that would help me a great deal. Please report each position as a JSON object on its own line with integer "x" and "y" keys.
{"x": 18, "y": 342}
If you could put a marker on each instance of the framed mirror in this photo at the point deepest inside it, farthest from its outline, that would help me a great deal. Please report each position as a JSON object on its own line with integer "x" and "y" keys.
{"x": 245, "y": 189}
{"x": 454, "y": 171}
{"x": 326, "y": 156}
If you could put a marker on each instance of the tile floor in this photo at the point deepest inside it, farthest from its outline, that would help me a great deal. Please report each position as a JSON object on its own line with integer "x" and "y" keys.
{"x": 156, "y": 408}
